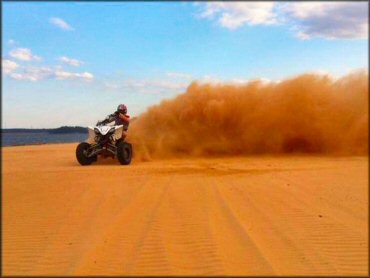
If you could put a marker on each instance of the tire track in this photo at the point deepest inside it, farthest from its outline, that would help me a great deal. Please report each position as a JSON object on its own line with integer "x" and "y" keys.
{"x": 149, "y": 254}
{"x": 307, "y": 229}
{"x": 272, "y": 236}
{"x": 250, "y": 256}
{"x": 189, "y": 238}
{"x": 336, "y": 242}
{"x": 115, "y": 252}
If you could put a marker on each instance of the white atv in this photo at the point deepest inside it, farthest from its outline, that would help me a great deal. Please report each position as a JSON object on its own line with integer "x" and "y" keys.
{"x": 104, "y": 140}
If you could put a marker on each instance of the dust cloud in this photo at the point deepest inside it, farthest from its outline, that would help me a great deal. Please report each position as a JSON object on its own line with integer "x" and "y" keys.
{"x": 309, "y": 113}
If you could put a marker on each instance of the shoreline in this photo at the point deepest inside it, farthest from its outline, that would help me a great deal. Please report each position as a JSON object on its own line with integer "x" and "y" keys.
{"x": 39, "y": 144}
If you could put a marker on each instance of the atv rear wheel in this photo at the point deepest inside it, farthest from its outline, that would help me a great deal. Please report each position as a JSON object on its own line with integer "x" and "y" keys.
{"x": 124, "y": 152}
{"x": 81, "y": 155}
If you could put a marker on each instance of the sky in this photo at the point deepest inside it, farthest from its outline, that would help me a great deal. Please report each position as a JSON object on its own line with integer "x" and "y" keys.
{"x": 73, "y": 63}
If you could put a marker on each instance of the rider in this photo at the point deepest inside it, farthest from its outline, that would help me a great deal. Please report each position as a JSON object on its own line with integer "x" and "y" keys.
{"x": 119, "y": 117}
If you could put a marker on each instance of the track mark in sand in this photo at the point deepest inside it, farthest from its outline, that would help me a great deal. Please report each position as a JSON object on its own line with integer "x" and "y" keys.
{"x": 306, "y": 230}
{"x": 189, "y": 239}
{"x": 149, "y": 254}
{"x": 342, "y": 245}
{"x": 245, "y": 257}
{"x": 343, "y": 209}
{"x": 108, "y": 237}
{"x": 75, "y": 235}
{"x": 122, "y": 242}
{"x": 176, "y": 240}
{"x": 72, "y": 235}
{"x": 272, "y": 236}
{"x": 32, "y": 243}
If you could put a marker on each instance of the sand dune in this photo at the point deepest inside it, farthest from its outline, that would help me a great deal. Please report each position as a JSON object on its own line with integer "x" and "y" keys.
{"x": 252, "y": 215}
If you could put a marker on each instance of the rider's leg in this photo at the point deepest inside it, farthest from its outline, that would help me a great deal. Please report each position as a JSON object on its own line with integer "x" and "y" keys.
{"x": 124, "y": 134}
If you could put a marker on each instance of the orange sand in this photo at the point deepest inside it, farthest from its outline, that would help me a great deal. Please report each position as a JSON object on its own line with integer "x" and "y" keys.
{"x": 253, "y": 215}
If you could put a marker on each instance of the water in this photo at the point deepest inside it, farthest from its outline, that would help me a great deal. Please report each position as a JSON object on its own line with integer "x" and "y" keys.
{"x": 30, "y": 138}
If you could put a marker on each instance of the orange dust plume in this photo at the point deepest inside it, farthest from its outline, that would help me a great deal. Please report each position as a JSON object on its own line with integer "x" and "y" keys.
{"x": 310, "y": 113}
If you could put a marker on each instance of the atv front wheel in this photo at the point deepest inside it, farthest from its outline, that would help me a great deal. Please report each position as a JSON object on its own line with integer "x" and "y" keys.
{"x": 124, "y": 152}
{"x": 81, "y": 154}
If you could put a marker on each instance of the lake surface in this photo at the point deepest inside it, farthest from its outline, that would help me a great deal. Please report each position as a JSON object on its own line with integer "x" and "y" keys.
{"x": 30, "y": 138}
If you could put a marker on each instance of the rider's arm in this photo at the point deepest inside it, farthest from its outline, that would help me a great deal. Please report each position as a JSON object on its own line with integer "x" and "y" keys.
{"x": 109, "y": 119}
{"x": 125, "y": 118}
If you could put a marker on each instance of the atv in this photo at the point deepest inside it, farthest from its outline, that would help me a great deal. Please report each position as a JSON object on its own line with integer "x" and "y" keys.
{"x": 105, "y": 140}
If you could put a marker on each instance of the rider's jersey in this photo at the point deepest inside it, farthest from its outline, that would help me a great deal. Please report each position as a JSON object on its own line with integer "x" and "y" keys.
{"x": 118, "y": 120}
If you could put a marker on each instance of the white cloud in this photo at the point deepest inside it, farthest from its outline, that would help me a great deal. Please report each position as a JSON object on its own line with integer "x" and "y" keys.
{"x": 60, "y": 23}
{"x": 70, "y": 61}
{"x": 46, "y": 73}
{"x": 111, "y": 85}
{"x": 33, "y": 74}
{"x": 208, "y": 79}
{"x": 63, "y": 75}
{"x": 236, "y": 14}
{"x": 24, "y": 54}
{"x": 212, "y": 80}
{"x": 154, "y": 85}
{"x": 178, "y": 75}
{"x": 329, "y": 20}
{"x": 8, "y": 66}
{"x": 148, "y": 86}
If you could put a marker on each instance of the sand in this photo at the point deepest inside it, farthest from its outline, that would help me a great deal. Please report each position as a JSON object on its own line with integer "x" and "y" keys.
{"x": 253, "y": 215}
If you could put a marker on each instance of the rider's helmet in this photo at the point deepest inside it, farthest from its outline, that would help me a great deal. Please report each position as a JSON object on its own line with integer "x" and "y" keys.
{"x": 122, "y": 109}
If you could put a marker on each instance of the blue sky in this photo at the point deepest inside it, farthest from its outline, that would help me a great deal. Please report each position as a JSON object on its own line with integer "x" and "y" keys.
{"x": 73, "y": 63}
